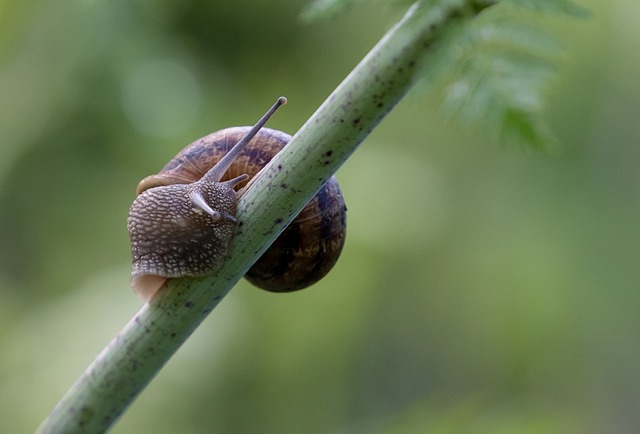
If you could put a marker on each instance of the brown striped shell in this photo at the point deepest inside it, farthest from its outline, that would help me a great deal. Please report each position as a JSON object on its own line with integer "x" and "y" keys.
{"x": 308, "y": 248}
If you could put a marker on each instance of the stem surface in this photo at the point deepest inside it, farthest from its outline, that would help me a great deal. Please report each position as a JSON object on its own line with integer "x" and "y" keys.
{"x": 274, "y": 198}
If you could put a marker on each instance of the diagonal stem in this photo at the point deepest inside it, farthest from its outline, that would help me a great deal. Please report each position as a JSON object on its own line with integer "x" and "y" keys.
{"x": 276, "y": 195}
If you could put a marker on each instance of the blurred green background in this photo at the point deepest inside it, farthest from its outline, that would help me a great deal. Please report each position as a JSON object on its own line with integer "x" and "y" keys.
{"x": 483, "y": 288}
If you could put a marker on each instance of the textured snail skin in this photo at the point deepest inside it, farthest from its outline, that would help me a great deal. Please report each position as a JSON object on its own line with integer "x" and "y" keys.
{"x": 309, "y": 247}
{"x": 171, "y": 236}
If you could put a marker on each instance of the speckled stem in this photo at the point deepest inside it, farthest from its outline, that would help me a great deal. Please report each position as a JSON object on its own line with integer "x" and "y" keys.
{"x": 326, "y": 140}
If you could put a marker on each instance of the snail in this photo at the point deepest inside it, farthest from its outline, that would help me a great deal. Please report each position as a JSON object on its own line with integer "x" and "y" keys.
{"x": 183, "y": 220}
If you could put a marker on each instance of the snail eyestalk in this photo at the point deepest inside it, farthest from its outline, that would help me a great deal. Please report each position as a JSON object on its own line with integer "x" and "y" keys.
{"x": 198, "y": 199}
{"x": 217, "y": 172}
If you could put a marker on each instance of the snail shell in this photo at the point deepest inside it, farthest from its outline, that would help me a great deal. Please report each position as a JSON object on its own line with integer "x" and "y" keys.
{"x": 308, "y": 248}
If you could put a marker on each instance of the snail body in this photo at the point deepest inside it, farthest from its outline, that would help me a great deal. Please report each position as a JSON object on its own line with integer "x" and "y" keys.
{"x": 181, "y": 223}
{"x": 303, "y": 254}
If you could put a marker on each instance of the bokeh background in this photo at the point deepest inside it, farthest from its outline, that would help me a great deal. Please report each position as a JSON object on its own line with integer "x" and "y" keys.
{"x": 483, "y": 288}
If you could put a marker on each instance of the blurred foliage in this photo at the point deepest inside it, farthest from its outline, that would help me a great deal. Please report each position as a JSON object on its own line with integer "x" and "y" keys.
{"x": 481, "y": 289}
{"x": 317, "y": 9}
{"x": 494, "y": 69}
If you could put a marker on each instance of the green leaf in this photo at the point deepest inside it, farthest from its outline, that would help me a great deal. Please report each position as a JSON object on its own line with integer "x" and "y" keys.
{"x": 317, "y": 9}
{"x": 522, "y": 127}
{"x": 495, "y": 71}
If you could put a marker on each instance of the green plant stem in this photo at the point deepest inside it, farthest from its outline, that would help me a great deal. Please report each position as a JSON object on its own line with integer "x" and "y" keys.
{"x": 326, "y": 140}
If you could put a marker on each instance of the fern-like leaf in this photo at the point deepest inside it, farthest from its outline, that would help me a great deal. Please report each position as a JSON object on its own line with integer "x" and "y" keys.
{"x": 494, "y": 71}
{"x": 317, "y": 9}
